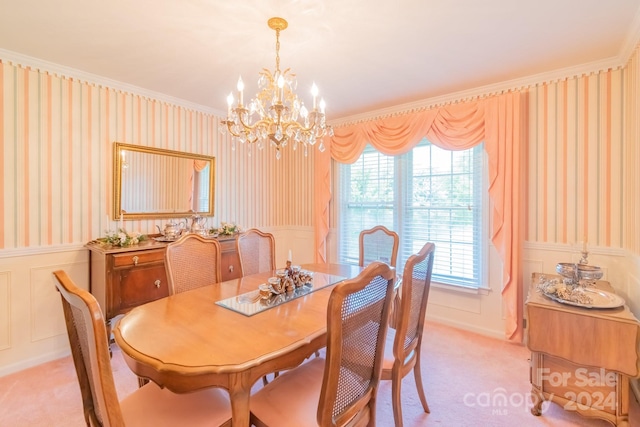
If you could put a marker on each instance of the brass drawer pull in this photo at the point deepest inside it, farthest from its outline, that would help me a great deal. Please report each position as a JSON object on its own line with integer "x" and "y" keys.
{"x": 135, "y": 260}
{"x": 157, "y": 283}
{"x": 231, "y": 268}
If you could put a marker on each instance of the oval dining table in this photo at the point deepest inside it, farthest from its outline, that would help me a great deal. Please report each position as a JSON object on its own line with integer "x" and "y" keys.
{"x": 190, "y": 341}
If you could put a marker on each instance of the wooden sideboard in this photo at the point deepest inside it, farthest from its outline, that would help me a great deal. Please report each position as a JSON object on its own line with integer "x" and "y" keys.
{"x": 582, "y": 358}
{"x": 123, "y": 278}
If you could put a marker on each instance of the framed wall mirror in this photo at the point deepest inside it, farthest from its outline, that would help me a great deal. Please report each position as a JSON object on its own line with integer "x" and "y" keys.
{"x": 156, "y": 183}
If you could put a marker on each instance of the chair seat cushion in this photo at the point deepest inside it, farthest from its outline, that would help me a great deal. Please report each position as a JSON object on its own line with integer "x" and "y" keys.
{"x": 291, "y": 400}
{"x": 387, "y": 362}
{"x": 152, "y": 406}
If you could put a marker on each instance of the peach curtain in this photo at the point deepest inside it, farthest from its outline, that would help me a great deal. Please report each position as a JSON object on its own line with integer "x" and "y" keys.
{"x": 494, "y": 120}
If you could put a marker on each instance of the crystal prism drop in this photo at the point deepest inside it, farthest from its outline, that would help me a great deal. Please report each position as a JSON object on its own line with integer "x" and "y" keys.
{"x": 278, "y": 155}
{"x": 321, "y": 147}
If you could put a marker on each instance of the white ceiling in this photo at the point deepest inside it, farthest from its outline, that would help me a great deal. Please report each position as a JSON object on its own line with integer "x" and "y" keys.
{"x": 364, "y": 55}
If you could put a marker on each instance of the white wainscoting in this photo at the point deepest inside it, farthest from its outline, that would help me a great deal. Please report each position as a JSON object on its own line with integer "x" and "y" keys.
{"x": 32, "y": 329}
{"x": 32, "y": 326}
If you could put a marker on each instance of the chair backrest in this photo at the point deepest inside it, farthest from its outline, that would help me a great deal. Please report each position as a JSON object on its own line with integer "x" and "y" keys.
{"x": 257, "y": 252}
{"x": 191, "y": 262}
{"x": 90, "y": 350}
{"x": 357, "y": 318}
{"x": 379, "y": 244}
{"x": 416, "y": 282}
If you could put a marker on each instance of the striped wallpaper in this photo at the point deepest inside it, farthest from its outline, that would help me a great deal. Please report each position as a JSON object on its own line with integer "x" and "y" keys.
{"x": 577, "y": 182}
{"x": 56, "y": 136}
{"x": 631, "y": 165}
{"x": 583, "y": 160}
{"x": 56, "y": 141}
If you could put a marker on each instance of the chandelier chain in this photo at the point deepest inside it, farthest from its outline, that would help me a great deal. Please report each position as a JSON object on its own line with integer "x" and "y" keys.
{"x": 278, "y": 50}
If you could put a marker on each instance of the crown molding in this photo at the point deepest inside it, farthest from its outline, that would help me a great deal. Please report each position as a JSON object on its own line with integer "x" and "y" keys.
{"x": 100, "y": 81}
{"x": 484, "y": 91}
{"x": 630, "y": 44}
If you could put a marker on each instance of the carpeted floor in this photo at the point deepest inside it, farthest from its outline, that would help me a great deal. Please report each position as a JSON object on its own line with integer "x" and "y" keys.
{"x": 463, "y": 374}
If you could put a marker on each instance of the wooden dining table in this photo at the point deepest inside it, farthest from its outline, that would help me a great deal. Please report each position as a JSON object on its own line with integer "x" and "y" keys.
{"x": 189, "y": 341}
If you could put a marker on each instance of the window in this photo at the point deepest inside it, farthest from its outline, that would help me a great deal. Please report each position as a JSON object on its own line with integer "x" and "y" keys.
{"x": 426, "y": 195}
{"x": 201, "y": 190}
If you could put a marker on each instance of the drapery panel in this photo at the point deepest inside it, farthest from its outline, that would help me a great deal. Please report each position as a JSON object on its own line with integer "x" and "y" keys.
{"x": 495, "y": 120}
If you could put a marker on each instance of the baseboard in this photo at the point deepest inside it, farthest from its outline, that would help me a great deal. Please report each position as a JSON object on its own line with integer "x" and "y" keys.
{"x": 34, "y": 361}
{"x": 466, "y": 327}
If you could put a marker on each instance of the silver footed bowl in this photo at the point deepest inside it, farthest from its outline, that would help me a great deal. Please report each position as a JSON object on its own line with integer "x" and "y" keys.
{"x": 583, "y": 272}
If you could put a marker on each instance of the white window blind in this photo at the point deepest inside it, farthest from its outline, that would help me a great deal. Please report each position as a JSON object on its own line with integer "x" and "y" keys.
{"x": 426, "y": 195}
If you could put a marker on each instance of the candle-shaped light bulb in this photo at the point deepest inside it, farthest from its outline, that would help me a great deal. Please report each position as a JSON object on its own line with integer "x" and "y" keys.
{"x": 289, "y": 258}
{"x": 240, "y": 90}
{"x": 280, "y": 83}
{"x": 322, "y": 105}
{"x": 230, "y": 104}
{"x": 314, "y": 93}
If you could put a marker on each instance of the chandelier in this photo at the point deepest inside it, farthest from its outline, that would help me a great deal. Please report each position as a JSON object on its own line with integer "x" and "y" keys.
{"x": 279, "y": 115}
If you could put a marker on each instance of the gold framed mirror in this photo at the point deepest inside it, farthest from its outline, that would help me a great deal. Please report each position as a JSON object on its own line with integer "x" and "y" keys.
{"x": 157, "y": 183}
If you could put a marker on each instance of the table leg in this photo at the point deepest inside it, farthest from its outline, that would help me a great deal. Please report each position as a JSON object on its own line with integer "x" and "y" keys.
{"x": 239, "y": 392}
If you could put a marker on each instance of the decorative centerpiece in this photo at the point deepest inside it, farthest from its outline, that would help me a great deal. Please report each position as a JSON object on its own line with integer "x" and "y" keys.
{"x": 122, "y": 238}
{"x": 226, "y": 229}
{"x": 286, "y": 281}
{"x": 559, "y": 290}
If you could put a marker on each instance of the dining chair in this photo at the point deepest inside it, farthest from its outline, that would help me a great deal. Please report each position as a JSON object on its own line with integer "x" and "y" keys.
{"x": 403, "y": 345}
{"x": 257, "y": 251}
{"x": 191, "y": 262}
{"x": 341, "y": 388}
{"x": 147, "y": 406}
{"x": 378, "y": 244}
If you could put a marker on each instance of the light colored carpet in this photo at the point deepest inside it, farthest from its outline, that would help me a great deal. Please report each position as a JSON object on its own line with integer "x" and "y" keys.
{"x": 463, "y": 372}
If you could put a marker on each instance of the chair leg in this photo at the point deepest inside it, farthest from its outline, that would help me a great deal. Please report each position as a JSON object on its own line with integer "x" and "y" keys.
{"x": 396, "y": 384}
{"x": 142, "y": 381}
{"x": 418, "y": 375}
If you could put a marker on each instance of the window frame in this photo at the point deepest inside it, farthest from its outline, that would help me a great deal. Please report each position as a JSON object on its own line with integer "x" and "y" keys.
{"x": 403, "y": 171}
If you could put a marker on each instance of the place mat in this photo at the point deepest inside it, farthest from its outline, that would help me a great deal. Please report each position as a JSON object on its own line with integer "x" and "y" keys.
{"x": 251, "y": 303}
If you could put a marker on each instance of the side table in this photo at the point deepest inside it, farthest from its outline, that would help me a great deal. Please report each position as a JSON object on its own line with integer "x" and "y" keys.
{"x": 581, "y": 358}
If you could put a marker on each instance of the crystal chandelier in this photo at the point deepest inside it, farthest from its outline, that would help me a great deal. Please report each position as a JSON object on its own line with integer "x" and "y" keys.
{"x": 281, "y": 116}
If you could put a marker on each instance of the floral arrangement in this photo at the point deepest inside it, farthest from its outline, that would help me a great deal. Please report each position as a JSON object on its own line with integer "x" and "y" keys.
{"x": 228, "y": 229}
{"x": 122, "y": 238}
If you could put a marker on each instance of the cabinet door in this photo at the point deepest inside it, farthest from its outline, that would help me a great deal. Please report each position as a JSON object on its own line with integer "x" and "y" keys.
{"x": 139, "y": 285}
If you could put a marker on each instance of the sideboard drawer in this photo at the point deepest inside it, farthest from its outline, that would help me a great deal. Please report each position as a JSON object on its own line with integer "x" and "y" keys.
{"x": 132, "y": 259}
{"x": 136, "y": 286}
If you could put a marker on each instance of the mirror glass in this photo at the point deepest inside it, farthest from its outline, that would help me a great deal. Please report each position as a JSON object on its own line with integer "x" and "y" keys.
{"x": 157, "y": 183}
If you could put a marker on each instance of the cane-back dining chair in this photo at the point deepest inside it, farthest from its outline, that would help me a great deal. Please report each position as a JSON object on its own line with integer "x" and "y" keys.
{"x": 378, "y": 244}
{"x": 257, "y": 252}
{"x": 341, "y": 389}
{"x": 147, "y": 406}
{"x": 403, "y": 345}
{"x": 191, "y": 262}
